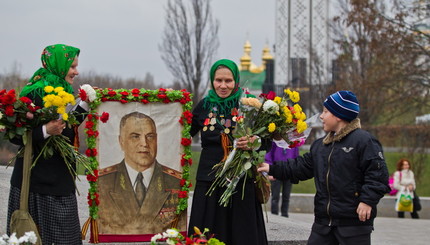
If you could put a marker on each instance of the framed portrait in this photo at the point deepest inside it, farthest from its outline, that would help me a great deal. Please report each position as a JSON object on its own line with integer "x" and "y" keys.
{"x": 139, "y": 144}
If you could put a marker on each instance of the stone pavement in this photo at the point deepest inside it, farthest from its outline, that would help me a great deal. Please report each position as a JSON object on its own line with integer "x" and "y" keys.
{"x": 293, "y": 230}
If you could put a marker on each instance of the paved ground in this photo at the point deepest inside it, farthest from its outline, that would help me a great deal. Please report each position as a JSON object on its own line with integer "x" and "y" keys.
{"x": 280, "y": 230}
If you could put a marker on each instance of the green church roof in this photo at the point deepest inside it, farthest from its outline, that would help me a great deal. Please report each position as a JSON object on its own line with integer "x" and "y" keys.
{"x": 253, "y": 81}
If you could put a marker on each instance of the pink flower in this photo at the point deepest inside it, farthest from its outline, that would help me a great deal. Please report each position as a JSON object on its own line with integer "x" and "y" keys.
{"x": 29, "y": 115}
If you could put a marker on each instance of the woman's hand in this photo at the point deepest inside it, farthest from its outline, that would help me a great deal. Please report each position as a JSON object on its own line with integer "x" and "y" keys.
{"x": 242, "y": 142}
{"x": 410, "y": 188}
{"x": 55, "y": 127}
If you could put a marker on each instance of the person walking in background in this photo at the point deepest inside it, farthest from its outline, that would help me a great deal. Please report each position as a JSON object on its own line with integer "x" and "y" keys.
{"x": 280, "y": 154}
{"x": 349, "y": 171}
{"x": 404, "y": 179}
{"x": 52, "y": 200}
{"x": 242, "y": 222}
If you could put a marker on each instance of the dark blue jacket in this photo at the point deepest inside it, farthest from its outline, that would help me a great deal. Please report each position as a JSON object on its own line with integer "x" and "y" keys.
{"x": 348, "y": 168}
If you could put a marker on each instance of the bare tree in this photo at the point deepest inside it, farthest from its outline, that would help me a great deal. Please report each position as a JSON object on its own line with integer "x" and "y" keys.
{"x": 189, "y": 43}
{"x": 13, "y": 78}
{"x": 114, "y": 82}
{"x": 382, "y": 61}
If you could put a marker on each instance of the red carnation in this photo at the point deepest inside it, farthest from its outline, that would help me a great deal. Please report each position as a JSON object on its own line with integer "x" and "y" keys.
{"x": 104, "y": 99}
{"x": 124, "y": 93}
{"x": 83, "y": 95}
{"x": 185, "y": 142}
{"x": 183, "y": 194}
{"x": 9, "y": 111}
{"x": 271, "y": 95}
{"x": 145, "y": 101}
{"x": 111, "y": 93}
{"x": 26, "y": 100}
{"x": 183, "y": 181}
{"x": 135, "y": 91}
{"x": 105, "y": 117}
{"x": 162, "y": 96}
{"x": 94, "y": 177}
{"x": 9, "y": 98}
{"x": 183, "y": 162}
{"x": 31, "y": 108}
{"x": 18, "y": 124}
{"x": 92, "y": 133}
{"x": 123, "y": 101}
{"x": 91, "y": 152}
{"x": 89, "y": 124}
{"x": 188, "y": 115}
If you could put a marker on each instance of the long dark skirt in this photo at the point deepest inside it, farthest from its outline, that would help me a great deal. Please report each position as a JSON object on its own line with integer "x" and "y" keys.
{"x": 242, "y": 222}
{"x": 56, "y": 216}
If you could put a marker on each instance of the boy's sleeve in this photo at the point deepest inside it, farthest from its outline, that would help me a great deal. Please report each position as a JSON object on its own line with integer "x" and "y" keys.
{"x": 295, "y": 170}
{"x": 375, "y": 173}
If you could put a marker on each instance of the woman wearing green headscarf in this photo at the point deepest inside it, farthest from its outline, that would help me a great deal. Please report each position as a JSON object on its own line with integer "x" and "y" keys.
{"x": 242, "y": 222}
{"x": 52, "y": 200}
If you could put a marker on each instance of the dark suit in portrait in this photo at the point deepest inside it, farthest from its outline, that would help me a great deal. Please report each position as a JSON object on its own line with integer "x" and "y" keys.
{"x": 119, "y": 210}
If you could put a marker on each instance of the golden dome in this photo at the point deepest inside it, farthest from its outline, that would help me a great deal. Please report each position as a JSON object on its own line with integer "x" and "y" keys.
{"x": 245, "y": 60}
{"x": 266, "y": 53}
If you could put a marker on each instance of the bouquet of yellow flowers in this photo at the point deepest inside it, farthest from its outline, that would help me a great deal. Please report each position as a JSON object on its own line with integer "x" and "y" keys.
{"x": 269, "y": 117}
{"x": 17, "y": 116}
{"x": 56, "y": 103}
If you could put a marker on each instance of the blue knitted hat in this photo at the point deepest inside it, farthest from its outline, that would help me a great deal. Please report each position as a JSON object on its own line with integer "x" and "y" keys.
{"x": 343, "y": 104}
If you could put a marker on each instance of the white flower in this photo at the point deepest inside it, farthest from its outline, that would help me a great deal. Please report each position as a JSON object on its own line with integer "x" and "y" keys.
{"x": 32, "y": 238}
{"x": 28, "y": 238}
{"x": 13, "y": 240}
{"x": 270, "y": 107}
{"x": 3, "y": 239}
{"x": 156, "y": 237}
{"x": 91, "y": 93}
{"x": 171, "y": 233}
{"x": 23, "y": 239}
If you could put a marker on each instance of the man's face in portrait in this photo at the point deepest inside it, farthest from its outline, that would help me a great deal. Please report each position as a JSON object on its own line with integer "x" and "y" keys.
{"x": 138, "y": 140}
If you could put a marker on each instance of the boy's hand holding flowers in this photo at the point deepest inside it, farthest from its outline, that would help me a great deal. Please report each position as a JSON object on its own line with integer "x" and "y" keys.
{"x": 268, "y": 118}
{"x": 242, "y": 142}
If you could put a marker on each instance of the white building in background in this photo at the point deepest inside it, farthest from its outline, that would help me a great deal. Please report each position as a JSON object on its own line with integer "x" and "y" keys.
{"x": 302, "y": 41}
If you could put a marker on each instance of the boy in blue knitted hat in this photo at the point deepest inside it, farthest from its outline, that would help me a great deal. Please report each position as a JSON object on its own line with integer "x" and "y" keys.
{"x": 349, "y": 171}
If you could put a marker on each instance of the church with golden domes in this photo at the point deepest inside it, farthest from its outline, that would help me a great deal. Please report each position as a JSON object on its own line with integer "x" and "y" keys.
{"x": 253, "y": 76}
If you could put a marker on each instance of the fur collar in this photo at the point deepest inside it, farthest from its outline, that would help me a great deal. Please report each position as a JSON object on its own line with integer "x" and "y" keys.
{"x": 331, "y": 137}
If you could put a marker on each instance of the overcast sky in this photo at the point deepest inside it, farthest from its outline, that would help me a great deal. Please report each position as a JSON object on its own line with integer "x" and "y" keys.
{"x": 120, "y": 37}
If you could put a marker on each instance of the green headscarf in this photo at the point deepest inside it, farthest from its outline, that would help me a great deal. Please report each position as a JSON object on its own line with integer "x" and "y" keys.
{"x": 56, "y": 61}
{"x": 224, "y": 105}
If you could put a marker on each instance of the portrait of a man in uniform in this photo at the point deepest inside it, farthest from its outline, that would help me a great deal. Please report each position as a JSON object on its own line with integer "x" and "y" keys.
{"x": 138, "y": 195}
